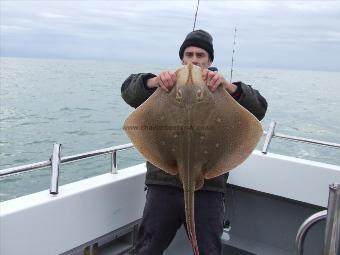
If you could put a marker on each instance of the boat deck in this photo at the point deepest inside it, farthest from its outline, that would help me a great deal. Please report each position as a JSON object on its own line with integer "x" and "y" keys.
{"x": 269, "y": 197}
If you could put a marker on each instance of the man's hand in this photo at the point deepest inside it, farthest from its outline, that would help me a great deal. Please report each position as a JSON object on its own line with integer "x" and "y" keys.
{"x": 214, "y": 79}
{"x": 165, "y": 80}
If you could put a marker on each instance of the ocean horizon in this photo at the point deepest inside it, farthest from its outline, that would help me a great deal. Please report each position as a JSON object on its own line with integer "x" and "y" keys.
{"x": 78, "y": 103}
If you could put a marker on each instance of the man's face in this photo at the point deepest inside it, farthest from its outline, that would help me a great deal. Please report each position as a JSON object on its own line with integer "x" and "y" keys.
{"x": 196, "y": 56}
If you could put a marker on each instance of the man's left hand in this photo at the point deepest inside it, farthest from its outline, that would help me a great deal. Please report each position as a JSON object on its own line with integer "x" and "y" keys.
{"x": 214, "y": 80}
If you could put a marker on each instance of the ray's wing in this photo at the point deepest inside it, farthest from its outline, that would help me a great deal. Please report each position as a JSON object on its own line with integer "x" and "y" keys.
{"x": 239, "y": 132}
{"x": 233, "y": 136}
{"x": 152, "y": 128}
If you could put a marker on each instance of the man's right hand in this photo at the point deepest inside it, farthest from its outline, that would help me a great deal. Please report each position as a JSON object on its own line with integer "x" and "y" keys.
{"x": 165, "y": 80}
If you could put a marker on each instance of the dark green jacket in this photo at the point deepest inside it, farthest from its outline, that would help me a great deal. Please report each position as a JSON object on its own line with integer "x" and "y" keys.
{"x": 135, "y": 92}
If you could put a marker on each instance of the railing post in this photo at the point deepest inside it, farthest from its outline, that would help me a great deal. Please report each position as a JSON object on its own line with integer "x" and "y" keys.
{"x": 114, "y": 162}
{"x": 55, "y": 161}
{"x": 332, "y": 232}
{"x": 269, "y": 137}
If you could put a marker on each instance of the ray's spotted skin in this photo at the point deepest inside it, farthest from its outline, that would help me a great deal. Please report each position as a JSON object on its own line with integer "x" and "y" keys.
{"x": 196, "y": 134}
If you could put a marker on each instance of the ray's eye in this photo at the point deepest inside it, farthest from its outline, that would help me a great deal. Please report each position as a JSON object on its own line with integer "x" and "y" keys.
{"x": 199, "y": 95}
{"x": 179, "y": 95}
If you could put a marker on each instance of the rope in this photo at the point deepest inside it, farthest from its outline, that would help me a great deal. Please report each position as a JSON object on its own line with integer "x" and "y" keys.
{"x": 198, "y": 3}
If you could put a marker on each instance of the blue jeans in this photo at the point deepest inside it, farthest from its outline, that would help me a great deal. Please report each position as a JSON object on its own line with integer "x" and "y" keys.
{"x": 164, "y": 214}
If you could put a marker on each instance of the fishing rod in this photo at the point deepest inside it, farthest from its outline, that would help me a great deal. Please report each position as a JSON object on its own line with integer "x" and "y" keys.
{"x": 198, "y": 3}
{"x": 232, "y": 56}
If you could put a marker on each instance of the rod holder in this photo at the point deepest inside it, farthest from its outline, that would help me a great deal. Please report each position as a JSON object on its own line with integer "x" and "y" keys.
{"x": 332, "y": 232}
{"x": 55, "y": 162}
{"x": 269, "y": 136}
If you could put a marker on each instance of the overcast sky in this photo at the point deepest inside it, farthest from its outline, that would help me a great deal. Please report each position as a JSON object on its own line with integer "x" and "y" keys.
{"x": 273, "y": 34}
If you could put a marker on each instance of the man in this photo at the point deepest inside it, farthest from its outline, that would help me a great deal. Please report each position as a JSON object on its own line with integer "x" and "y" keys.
{"x": 164, "y": 210}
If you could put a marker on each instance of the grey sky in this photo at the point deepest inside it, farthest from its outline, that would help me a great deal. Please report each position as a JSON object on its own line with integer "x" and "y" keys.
{"x": 275, "y": 34}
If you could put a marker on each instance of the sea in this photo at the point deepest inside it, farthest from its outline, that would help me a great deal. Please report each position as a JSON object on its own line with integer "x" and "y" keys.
{"x": 78, "y": 104}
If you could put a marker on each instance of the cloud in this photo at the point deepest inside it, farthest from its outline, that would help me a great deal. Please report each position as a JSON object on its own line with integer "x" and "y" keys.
{"x": 52, "y": 15}
{"x": 270, "y": 33}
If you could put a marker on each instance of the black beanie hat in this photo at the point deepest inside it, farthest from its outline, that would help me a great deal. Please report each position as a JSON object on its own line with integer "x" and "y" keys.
{"x": 200, "y": 39}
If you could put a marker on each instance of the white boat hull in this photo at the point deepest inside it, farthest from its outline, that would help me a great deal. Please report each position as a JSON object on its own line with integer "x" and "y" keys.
{"x": 45, "y": 224}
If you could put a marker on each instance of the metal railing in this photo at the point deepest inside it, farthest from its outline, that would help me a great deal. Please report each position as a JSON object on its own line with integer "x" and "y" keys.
{"x": 270, "y": 134}
{"x": 56, "y": 160}
{"x": 332, "y": 231}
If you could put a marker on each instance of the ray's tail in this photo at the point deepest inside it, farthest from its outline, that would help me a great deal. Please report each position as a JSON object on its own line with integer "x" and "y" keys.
{"x": 189, "y": 200}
